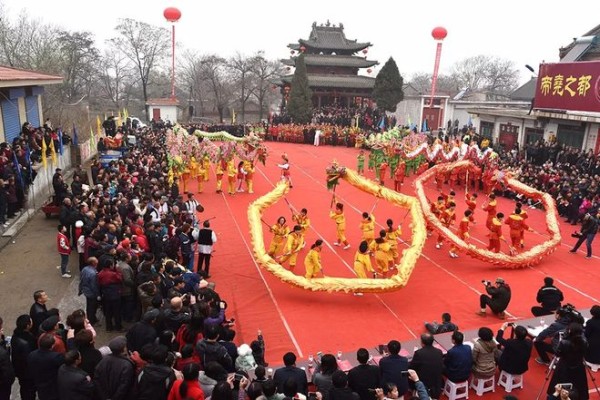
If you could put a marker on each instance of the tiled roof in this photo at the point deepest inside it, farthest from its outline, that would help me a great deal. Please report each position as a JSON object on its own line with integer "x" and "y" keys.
{"x": 327, "y": 60}
{"x": 337, "y": 81}
{"x": 13, "y": 74}
{"x": 526, "y": 92}
{"x": 162, "y": 102}
{"x": 327, "y": 37}
{"x": 594, "y": 49}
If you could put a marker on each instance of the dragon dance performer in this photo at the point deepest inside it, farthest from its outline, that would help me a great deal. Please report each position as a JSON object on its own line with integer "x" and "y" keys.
{"x": 517, "y": 225}
{"x": 496, "y": 233}
{"x": 463, "y": 232}
{"x": 312, "y": 261}
{"x": 490, "y": 208}
{"x": 362, "y": 260}
{"x": 447, "y": 218}
{"x": 280, "y": 231}
{"x": 249, "y": 168}
{"x": 220, "y": 170}
{"x": 471, "y": 201}
{"x": 437, "y": 209}
{"x": 285, "y": 170}
{"x": 231, "y": 176}
{"x": 303, "y": 221}
{"x": 295, "y": 243}
{"x": 393, "y": 235}
{"x": 360, "y": 162}
{"x": 199, "y": 173}
{"x": 523, "y": 215}
{"x": 340, "y": 224}
{"x": 399, "y": 174}
{"x": 381, "y": 248}
{"x": 367, "y": 227}
{"x": 206, "y": 166}
{"x": 382, "y": 171}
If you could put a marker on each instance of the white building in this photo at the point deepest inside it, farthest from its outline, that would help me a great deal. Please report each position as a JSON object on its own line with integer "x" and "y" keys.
{"x": 165, "y": 109}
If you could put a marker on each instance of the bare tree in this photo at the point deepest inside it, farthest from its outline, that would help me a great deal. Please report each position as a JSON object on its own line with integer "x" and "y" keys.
{"x": 79, "y": 59}
{"x": 264, "y": 71}
{"x": 116, "y": 78}
{"x": 213, "y": 69}
{"x": 486, "y": 73}
{"x": 145, "y": 45}
{"x": 241, "y": 70}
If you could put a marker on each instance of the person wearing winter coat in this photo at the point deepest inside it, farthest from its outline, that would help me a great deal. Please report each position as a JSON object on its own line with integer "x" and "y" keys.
{"x": 115, "y": 375}
{"x": 484, "y": 353}
{"x": 245, "y": 360}
{"x": 73, "y": 382}
{"x": 23, "y": 342}
{"x": 189, "y": 387}
{"x": 212, "y": 374}
{"x": 155, "y": 380}
{"x": 7, "y": 373}
{"x": 210, "y": 350}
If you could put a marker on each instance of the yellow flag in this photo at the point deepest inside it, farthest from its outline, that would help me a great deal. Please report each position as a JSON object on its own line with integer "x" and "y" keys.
{"x": 232, "y": 116}
{"x": 98, "y": 126}
{"x": 92, "y": 140}
{"x": 44, "y": 149}
{"x": 125, "y": 114}
{"x": 53, "y": 153}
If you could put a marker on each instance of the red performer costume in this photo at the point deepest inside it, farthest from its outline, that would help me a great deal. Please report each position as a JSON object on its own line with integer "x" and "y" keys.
{"x": 447, "y": 218}
{"x": 382, "y": 171}
{"x": 471, "y": 200}
{"x": 496, "y": 233}
{"x": 517, "y": 227}
{"x": 523, "y": 215}
{"x": 437, "y": 209}
{"x": 399, "y": 175}
{"x": 490, "y": 208}
{"x": 463, "y": 232}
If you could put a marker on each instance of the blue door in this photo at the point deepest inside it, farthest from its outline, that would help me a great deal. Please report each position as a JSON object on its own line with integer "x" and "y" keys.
{"x": 33, "y": 113}
{"x": 10, "y": 119}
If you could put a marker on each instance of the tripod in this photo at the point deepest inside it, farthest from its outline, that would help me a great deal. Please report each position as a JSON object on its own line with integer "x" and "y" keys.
{"x": 551, "y": 368}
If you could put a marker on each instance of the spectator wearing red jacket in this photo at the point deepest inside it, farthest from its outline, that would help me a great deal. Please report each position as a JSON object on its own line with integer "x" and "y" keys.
{"x": 64, "y": 249}
{"x": 110, "y": 282}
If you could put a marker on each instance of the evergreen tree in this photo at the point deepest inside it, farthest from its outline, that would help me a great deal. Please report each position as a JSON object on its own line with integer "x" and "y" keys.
{"x": 387, "y": 92}
{"x": 299, "y": 105}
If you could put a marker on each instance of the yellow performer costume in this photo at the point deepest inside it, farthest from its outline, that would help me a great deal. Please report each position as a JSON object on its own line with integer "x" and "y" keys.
{"x": 200, "y": 173}
{"x": 206, "y": 166}
{"x": 367, "y": 227}
{"x": 231, "y": 176}
{"x": 383, "y": 255}
{"x": 362, "y": 262}
{"x": 219, "y": 171}
{"x": 302, "y": 220}
{"x": 312, "y": 261}
{"x": 249, "y": 168}
{"x": 280, "y": 232}
{"x": 295, "y": 243}
{"x": 392, "y": 236}
{"x": 340, "y": 223}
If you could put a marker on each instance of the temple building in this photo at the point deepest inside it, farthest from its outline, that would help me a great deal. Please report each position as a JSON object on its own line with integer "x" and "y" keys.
{"x": 332, "y": 63}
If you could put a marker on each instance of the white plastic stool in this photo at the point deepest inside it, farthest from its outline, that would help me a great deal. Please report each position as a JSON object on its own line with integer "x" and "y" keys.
{"x": 456, "y": 391}
{"x": 483, "y": 385}
{"x": 510, "y": 382}
{"x": 593, "y": 367}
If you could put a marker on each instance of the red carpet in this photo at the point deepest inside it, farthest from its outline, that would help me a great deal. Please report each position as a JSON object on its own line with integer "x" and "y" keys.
{"x": 306, "y": 322}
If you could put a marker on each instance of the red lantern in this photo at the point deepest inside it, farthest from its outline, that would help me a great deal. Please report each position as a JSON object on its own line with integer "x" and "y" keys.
{"x": 172, "y": 14}
{"x": 439, "y": 33}
{"x": 289, "y": 68}
{"x": 292, "y": 52}
{"x": 369, "y": 71}
{"x": 303, "y": 49}
{"x": 365, "y": 51}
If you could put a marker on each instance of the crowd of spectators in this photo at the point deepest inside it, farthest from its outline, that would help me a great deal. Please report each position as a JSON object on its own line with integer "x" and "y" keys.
{"x": 365, "y": 118}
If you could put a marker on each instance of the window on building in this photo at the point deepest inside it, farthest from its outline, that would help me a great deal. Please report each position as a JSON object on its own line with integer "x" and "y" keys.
{"x": 486, "y": 129}
{"x": 570, "y": 135}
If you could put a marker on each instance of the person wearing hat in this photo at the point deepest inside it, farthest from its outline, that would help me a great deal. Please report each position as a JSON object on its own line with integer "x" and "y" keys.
{"x": 50, "y": 327}
{"x": 114, "y": 377}
{"x": 498, "y": 299}
{"x": 143, "y": 332}
{"x": 295, "y": 243}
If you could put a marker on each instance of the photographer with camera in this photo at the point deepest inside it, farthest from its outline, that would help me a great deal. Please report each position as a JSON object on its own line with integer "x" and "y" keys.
{"x": 570, "y": 366}
{"x": 498, "y": 299}
{"x": 589, "y": 227}
{"x": 515, "y": 352}
{"x": 542, "y": 346}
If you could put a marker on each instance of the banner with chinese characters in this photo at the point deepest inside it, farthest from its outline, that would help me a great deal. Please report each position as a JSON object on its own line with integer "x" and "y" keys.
{"x": 569, "y": 86}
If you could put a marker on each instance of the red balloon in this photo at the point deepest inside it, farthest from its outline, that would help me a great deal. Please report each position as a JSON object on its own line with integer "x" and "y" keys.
{"x": 172, "y": 14}
{"x": 302, "y": 49}
{"x": 439, "y": 33}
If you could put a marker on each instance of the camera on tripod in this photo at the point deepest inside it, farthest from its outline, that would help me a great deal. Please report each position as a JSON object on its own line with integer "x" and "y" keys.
{"x": 570, "y": 312}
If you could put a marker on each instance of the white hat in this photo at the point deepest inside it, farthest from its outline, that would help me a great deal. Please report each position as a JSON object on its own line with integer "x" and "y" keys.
{"x": 79, "y": 224}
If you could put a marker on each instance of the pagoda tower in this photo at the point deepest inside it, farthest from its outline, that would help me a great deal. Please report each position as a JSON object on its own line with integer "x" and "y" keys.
{"x": 332, "y": 66}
